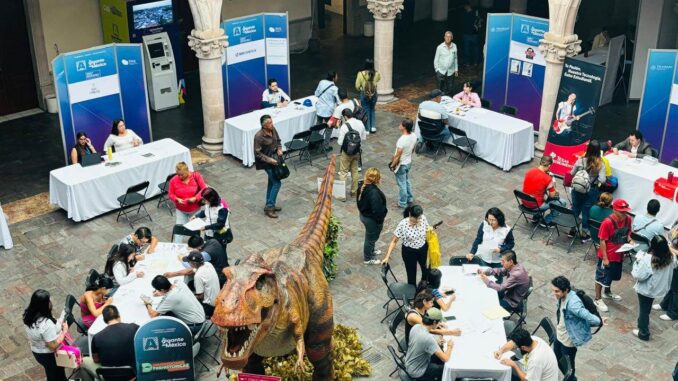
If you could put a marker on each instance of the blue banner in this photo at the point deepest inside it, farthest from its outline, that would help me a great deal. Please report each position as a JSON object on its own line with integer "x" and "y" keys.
{"x": 164, "y": 351}
{"x": 669, "y": 150}
{"x": 498, "y": 39}
{"x": 133, "y": 89}
{"x": 65, "y": 117}
{"x": 277, "y": 50}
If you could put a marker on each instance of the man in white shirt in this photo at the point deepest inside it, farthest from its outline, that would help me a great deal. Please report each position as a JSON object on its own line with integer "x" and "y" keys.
{"x": 538, "y": 363}
{"x": 205, "y": 282}
{"x": 337, "y": 118}
{"x": 402, "y": 160}
{"x": 433, "y": 104}
{"x": 445, "y": 64}
{"x": 274, "y": 96}
{"x": 351, "y": 135}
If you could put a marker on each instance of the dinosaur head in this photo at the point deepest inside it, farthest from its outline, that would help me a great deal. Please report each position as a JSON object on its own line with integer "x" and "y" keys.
{"x": 246, "y": 309}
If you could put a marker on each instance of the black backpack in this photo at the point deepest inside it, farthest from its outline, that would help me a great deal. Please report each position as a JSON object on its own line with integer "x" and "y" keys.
{"x": 359, "y": 112}
{"x": 590, "y": 306}
{"x": 351, "y": 143}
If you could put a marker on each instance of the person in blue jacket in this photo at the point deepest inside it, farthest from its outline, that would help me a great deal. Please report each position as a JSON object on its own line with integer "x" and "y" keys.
{"x": 574, "y": 321}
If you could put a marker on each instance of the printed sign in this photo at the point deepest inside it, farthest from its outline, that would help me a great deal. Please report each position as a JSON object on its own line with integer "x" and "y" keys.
{"x": 498, "y": 40}
{"x": 164, "y": 350}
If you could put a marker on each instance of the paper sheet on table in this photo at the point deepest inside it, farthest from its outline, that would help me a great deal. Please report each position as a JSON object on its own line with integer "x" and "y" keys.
{"x": 195, "y": 224}
{"x": 627, "y": 247}
{"x": 495, "y": 313}
{"x": 469, "y": 269}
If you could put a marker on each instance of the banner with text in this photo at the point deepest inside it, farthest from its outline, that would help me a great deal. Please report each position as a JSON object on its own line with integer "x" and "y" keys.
{"x": 669, "y": 149}
{"x": 277, "y": 50}
{"x": 574, "y": 114}
{"x": 164, "y": 351}
{"x": 495, "y": 71}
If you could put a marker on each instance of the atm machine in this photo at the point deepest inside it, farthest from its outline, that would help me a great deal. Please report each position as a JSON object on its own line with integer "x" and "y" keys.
{"x": 161, "y": 71}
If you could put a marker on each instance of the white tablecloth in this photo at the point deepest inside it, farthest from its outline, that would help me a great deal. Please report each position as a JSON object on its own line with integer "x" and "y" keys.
{"x": 5, "y": 237}
{"x": 91, "y": 191}
{"x": 239, "y": 131}
{"x": 636, "y": 186}
{"x": 128, "y": 297}
{"x": 473, "y": 352}
{"x": 502, "y": 140}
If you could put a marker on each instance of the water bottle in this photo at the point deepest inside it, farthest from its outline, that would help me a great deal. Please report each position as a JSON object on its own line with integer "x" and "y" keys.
{"x": 109, "y": 153}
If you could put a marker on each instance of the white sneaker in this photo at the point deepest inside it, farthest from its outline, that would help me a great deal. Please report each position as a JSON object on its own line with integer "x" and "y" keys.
{"x": 635, "y": 332}
{"x": 657, "y": 307}
{"x": 665, "y": 317}
{"x": 372, "y": 262}
{"x": 612, "y": 296}
{"x": 373, "y": 129}
{"x": 377, "y": 252}
{"x": 601, "y": 305}
{"x": 360, "y": 169}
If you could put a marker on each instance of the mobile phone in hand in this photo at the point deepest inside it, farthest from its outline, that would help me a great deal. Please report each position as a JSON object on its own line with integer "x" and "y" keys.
{"x": 449, "y": 318}
{"x": 449, "y": 292}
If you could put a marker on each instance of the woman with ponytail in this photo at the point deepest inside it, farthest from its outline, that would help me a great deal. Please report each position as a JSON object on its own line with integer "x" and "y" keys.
{"x": 372, "y": 207}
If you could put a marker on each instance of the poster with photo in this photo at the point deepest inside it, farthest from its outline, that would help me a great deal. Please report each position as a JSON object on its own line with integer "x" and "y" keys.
{"x": 515, "y": 67}
{"x": 527, "y": 69}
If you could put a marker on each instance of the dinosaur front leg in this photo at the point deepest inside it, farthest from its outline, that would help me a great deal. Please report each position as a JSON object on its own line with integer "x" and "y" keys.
{"x": 300, "y": 346}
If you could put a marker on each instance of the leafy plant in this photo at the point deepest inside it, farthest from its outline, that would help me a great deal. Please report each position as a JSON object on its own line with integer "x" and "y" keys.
{"x": 331, "y": 249}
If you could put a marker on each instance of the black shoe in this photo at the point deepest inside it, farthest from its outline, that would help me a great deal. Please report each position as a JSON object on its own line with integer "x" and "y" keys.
{"x": 545, "y": 225}
{"x": 571, "y": 233}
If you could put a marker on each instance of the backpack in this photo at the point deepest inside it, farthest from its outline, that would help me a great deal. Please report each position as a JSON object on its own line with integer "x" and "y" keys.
{"x": 581, "y": 182}
{"x": 370, "y": 89}
{"x": 359, "y": 112}
{"x": 351, "y": 144}
{"x": 587, "y": 301}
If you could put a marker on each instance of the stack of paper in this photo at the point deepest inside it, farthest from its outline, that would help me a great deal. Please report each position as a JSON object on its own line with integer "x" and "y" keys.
{"x": 469, "y": 269}
{"x": 195, "y": 224}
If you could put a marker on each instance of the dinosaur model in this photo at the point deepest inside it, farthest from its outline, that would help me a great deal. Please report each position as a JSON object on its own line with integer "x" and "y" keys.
{"x": 279, "y": 301}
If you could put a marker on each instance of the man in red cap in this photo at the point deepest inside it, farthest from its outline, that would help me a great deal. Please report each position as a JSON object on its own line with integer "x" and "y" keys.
{"x": 614, "y": 232}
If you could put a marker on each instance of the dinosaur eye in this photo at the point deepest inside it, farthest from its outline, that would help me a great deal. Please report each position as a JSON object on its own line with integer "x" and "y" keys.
{"x": 260, "y": 283}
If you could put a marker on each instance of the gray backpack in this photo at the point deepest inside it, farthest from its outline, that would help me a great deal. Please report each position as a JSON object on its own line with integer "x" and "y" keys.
{"x": 581, "y": 182}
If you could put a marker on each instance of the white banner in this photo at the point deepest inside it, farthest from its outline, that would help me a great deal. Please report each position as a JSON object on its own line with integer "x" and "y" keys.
{"x": 93, "y": 88}
{"x": 245, "y": 52}
{"x": 276, "y": 51}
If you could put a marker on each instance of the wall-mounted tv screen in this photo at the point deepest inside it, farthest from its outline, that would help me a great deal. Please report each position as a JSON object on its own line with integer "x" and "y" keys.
{"x": 152, "y": 14}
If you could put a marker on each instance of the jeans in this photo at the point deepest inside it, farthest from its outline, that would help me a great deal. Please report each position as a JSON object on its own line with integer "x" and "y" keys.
{"x": 372, "y": 232}
{"x": 644, "y": 309}
{"x": 571, "y": 352}
{"x": 670, "y": 302}
{"x": 545, "y": 206}
{"x": 182, "y": 218}
{"x": 411, "y": 257}
{"x": 52, "y": 371}
{"x": 272, "y": 188}
{"x": 582, "y": 203}
{"x": 404, "y": 184}
{"x": 88, "y": 369}
{"x": 369, "y": 106}
{"x": 349, "y": 163}
{"x": 470, "y": 49}
{"x": 446, "y": 83}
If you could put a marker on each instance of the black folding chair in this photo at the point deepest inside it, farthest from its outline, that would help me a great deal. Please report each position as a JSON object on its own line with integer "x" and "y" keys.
{"x": 132, "y": 198}
{"x": 164, "y": 191}
{"x": 400, "y": 365}
{"x": 508, "y": 110}
{"x": 431, "y": 125}
{"x": 112, "y": 251}
{"x": 521, "y": 312}
{"x": 462, "y": 260}
{"x": 536, "y": 213}
{"x": 547, "y": 325}
{"x": 485, "y": 103}
{"x": 393, "y": 325}
{"x": 116, "y": 373}
{"x": 566, "y": 219}
{"x": 463, "y": 144}
{"x": 71, "y": 302}
{"x": 395, "y": 290}
{"x": 318, "y": 141}
{"x": 594, "y": 228}
{"x": 183, "y": 231}
{"x": 654, "y": 152}
{"x": 298, "y": 147}
{"x": 674, "y": 163}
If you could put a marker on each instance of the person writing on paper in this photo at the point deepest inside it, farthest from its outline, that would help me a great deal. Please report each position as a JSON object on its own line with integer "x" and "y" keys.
{"x": 425, "y": 359}
{"x": 140, "y": 238}
{"x": 215, "y": 215}
{"x": 513, "y": 289}
{"x": 45, "y": 334}
{"x": 467, "y": 96}
{"x": 120, "y": 266}
{"x": 184, "y": 191}
{"x": 93, "y": 301}
{"x": 493, "y": 237}
{"x": 539, "y": 363}
{"x": 433, "y": 284}
{"x": 422, "y": 303}
{"x": 647, "y": 225}
{"x": 634, "y": 145}
{"x": 121, "y": 138}
{"x": 83, "y": 146}
{"x": 274, "y": 96}
{"x": 179, "y": 300}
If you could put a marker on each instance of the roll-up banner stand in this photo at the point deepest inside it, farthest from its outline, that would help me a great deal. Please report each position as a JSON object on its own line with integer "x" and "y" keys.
{"x": 574, "y": 114}
{"x": 495, "y": 71}
{"x": 658, "y": 114}
{"x": 163, "y": 348}
{"x": 96, "y": 86}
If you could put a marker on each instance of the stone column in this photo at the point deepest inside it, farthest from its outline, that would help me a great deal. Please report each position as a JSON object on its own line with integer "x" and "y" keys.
{"x": 559, "y": 42}
{"x": 384, "y": 12}
{"x": 208, "y": 41}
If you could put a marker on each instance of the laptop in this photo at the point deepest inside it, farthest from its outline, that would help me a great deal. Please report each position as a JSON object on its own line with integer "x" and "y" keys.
{"x": 90, "y": 159}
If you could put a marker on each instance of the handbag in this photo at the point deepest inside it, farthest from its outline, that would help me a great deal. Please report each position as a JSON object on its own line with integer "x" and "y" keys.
{"x": 68, "y": 355}
{"x": 281, "y": 171}
{"x": 433, "y": 248}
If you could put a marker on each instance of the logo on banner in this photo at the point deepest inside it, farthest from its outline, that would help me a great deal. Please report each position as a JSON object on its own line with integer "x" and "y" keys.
{"x": 93, "y": 64}
{"x": 524, "y": 28}
{"x": 237, "y": 31}
{"x": 127, "y": 62}
{"x": 80, "y": 65}
{"x": 661, "y": 67}
{"x": 151, "y": 344}
{"x": 277, "y": 29}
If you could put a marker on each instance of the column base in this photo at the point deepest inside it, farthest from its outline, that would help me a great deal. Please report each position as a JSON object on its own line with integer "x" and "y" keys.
{"x": 386, "y": 97}
{"x": 539, "y": 146}
{"x": 211, "y": 146}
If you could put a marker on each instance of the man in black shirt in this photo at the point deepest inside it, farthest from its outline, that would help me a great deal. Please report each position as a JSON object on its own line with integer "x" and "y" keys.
{"x": 114, "y": 345}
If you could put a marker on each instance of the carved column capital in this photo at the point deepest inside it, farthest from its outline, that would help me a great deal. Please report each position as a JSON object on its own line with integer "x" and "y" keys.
{"x": 208, "y": 48}
{"x": 555, "y": 48}
{"x": 385, "y": 9}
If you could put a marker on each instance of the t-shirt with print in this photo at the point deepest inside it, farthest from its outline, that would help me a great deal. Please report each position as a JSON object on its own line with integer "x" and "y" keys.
{"x": 407, "y": 143}
{"x": 421, "y": 347}
{"x": 536, "y": 183}
{"x": 206, "y": 282}
{"x": 183, "y": 304}
{"x": 413, "y": 236}
{"x": 39, "y": 334}
{"x": 541, "y": 363}
{"x": 606, "y": 232}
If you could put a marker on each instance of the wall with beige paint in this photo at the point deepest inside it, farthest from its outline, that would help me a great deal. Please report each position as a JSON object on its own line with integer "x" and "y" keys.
{"x": 71, "y": 25}
{"x": 297, "y": 9}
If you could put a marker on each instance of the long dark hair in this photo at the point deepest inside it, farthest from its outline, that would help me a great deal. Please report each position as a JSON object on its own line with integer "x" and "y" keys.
{"x": 211, "y": 196}
{"x": 431, "y": 282}
{"x": 114, "y": 129}
{"x": 592, "y": 156}
{"x": 39, "y": 307}
{"x": 661, "y": 255}
{"x": 369, "y": 67}
{"x": 424, "y": 295}
{"x": 122, "y": 255}
{"x": 101, "y": 282}
{"x": 498, "y": 214}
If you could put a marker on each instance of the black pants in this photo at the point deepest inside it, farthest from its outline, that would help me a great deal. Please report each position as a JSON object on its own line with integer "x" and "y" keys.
{"x": 52, "y": 371}
{"x": 372, "y": 232}
{"x": 445, "y": 83}
{"x": 570, "y": 352}
{"x": 411, "y": 257}
{"x": 670, "y": 301}
{"x": 644, "y": 307}
{"x": 434, "y": 370}
{"x": 209, "y": 310}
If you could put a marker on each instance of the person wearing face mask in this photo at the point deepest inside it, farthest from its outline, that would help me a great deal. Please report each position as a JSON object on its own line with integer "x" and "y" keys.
{"x": 184, "y": 192}
{"x": 539, "y": 363}
{"x": 635, "y": 145}
{"x": 274, "y": 96}
{"x": 468, "y": 97}
{"x": 412, "y": 230}
{"x": 493, "y": 238}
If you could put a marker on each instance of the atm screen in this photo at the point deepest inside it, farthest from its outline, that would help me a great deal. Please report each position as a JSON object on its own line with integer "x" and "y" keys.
{"x": 156, "y": 50}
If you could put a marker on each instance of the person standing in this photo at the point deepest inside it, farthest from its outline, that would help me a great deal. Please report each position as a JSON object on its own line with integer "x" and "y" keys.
{"x": 402, "y": 161}
{"x": 327, "y": 97}
{"x": 45, "y": 334}
{"x": 184, "y": 192}
{"x": 648, "y": 225}
{"x": 670, "y": 302}
{"x": 471, "y": 26}
{"x": 266, "y": 145}
{"x": 412, "y": 230}
{"x": 372, "y": 207}
{"x": 652, "y": 271}
{"x": 574, "y": 321}
{"x": 445, "y": 64}
{"x": 366, "y": 83}
{"x": 351, "y": 134}
{"x": 337, "y": 118}
{"x": 588, "y": 173}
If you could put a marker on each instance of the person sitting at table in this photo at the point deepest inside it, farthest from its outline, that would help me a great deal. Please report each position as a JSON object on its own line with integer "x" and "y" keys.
{"x": 516, "y": 282}
{"x": 113, "y": 345}
{"x": 434, "y": 105}
{"x": 274, "y": 96}
{"x": 122, "y": 138}
{"x": 467, "y": 96}
{"x": 177, "y": 299}
{"x": 538, "y": 183}
{"x": 493, "y": 237}
{"x": 432, "y": 283}
{"x": 93, "y": 301}
{"x": 599, "y": 212}
{"x": 120, "y": 266}
{"x": 635, "y": 145}
{"x": 215, "y": 215}
{"x": 213, "y": 252}
{"x": 140, "y": 238}
{"x": 205, "y": 282}
{"x": 647, "y": 225}
{"x": 538, "y": 363}
{"x": 83, "y": 146}
{"x": 425, "y": 358}
{"x": 422, "y": 303}
{"x": 184, "y": 191}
